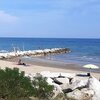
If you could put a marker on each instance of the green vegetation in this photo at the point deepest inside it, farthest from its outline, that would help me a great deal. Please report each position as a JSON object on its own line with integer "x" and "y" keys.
{"x": 15, "y": 86}
{"x": 42, "y": 90}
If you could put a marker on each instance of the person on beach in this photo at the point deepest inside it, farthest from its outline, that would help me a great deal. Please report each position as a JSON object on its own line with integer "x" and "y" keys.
{"x": 20, "y": 63}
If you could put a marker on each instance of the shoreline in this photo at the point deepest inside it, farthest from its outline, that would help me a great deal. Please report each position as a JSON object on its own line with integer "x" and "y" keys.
{"x": 53, "y": 63}
{"x": 38, "y": 66}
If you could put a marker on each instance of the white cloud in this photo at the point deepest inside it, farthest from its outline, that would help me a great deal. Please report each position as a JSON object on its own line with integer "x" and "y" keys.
{"x": 8, "y": 23}
{"x": 7, "y": 18}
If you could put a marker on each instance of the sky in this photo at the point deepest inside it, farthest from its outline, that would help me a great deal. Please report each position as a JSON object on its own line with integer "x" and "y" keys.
{"x": 50, "y": 18}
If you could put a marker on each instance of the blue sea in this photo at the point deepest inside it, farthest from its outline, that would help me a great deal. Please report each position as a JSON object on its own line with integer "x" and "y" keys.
{"x": 83, "y": 51}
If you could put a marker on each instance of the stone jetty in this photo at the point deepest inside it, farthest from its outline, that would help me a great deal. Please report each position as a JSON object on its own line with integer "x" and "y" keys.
{"x": 43, "y": 52}
{"x": 71, "y": 86}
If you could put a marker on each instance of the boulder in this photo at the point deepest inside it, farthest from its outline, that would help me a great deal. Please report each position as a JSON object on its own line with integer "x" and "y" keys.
{"x": 63, "y": 80}
{"x": 74, "y": 95}
{"x": 64, "y": 86}
{"x": 78, "y": 84}
{"x": 60, "y": 96}
{"x": 68, "y": 75}
{"x": 94, "y": 85}
{"x": 57, "y": 88}
{"x": 79, "y": 78}
{"x": 87, "y": 93}
{"x": 80, "y": 95}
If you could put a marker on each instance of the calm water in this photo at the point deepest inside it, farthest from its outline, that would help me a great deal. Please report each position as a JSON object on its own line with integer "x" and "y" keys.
{"x": 83, "y": 50}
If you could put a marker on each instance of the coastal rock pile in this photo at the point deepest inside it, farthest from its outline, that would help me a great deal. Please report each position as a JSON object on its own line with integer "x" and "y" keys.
{"x": 34, "y": 52}
{"x": 87, "y": 91}
{"x": 73, "y": 87}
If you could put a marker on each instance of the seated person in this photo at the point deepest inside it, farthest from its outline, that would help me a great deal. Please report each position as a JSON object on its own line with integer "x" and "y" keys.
{"x": 20, "y": 62}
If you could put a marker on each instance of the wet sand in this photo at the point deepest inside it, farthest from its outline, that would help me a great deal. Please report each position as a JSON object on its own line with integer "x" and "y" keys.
{"x": 55, "y": 64}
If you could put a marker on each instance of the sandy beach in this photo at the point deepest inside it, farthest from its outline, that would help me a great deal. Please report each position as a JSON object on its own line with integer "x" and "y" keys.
{"x": 36, "y": 68}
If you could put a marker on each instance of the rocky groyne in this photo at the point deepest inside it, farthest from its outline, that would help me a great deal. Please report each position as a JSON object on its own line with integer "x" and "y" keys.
{"x": 71, "y": 86}
{"x": 34, "y": 53}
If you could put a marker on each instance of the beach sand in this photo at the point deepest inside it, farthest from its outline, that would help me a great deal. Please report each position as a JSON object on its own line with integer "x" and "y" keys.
{"x": 36, "y": 68}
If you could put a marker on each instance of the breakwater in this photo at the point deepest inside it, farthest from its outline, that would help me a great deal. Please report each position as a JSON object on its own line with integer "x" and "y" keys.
{"x": 34, "y": 53}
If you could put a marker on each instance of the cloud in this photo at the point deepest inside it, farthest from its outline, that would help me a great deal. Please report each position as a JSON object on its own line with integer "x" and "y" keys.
{"x": 8, "y": 23}
{"x": 7, "y": 18}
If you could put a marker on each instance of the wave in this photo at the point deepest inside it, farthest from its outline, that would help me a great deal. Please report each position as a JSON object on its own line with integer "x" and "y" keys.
{"x": 3, "y": 51}
{"x": 76, "y": 59}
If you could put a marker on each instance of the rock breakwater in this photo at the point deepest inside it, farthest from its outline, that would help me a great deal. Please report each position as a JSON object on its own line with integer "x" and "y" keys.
{"x": 43, "y": 52}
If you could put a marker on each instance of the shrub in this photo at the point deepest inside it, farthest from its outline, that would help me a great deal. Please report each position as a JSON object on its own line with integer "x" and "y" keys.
{"x": 14, "y": 85}
{"x": 43, "y": 91}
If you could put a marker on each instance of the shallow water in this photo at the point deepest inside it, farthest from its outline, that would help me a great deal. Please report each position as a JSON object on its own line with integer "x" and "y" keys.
{"x": 55, "y": 63}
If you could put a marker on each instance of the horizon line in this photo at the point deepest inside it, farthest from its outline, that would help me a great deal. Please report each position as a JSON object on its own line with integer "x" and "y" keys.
{"x": 54, "y": 37}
